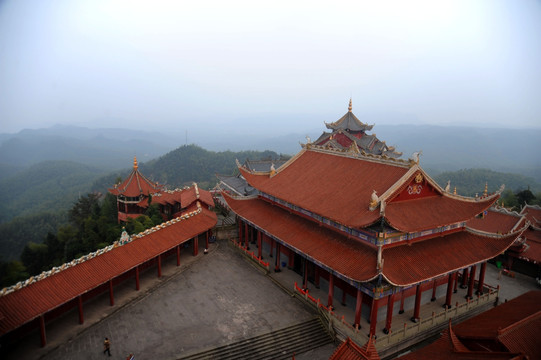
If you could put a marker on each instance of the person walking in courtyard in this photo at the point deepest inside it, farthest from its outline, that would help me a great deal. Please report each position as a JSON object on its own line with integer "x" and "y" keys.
{"x": 107, "y": 346}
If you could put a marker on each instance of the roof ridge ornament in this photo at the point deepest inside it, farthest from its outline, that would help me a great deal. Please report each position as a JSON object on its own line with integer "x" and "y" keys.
{"x": 135, "y": 166}
{"x": 416, "y": 156}
{"x": 350, "y": 107}
{"x": 373, "y": 201}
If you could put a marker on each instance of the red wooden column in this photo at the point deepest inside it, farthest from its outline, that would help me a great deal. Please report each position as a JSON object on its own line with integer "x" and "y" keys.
{"x": 259, "y": 245}
{"x": 42, "y": 331}
{"x": 358, "y": 308}
{"x": 160, "y": 265}
{"x": 481, "y": 278}
{"x": 206, "y": 240}
{"x": 271, "y": 246}
{"x": 80, "y": 306}
{"x": 449, "y": 291}
{"x": 472, "y": 282}
{"x": 455, "y": 288}
{"x": 111, "y": 296}
{"x": 246, "y": 235}
{"x": 402, "y": 298}
{"x": 331, "y": 290}
{"x": 389, "y": 319}
{"x": 277, "y": 260}
{"x": 137, "y": 278}
{"x": 240, "y": 231}
{"x": 434, "y": 287}
{"x": 417, "y": 308}
{"x": 195, "y": 242}
{"x": 291, "y": 259}
{"x": 316, "y": 280}
{"x": 178, "y": 255}
{"x": 464, "y": 282}
{"x": 344, "y": 293}
{"x": 373, "y": 316}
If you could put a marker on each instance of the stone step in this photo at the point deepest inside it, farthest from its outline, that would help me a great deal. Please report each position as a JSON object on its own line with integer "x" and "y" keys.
{"x": 279, "y": 344}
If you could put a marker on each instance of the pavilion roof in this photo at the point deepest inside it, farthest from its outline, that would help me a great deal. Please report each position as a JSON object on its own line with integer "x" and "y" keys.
{"x": 404, "y": 265}
{"x": 349, "y": 122}
{"x": 135, "y": 184}
{"x": 45, "y": 293}
{"x": 339, "y": 185}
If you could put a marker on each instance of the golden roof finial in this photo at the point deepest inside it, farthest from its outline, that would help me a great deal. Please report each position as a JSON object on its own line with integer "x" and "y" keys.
{"x": 349, "y": 107}
{"x": 135, "y": 163}
{"x": 454, "y": 191}
{"x": 486, "y": 189}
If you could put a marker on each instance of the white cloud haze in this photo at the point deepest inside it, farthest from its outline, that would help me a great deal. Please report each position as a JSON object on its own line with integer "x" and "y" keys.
{"x": 185, "y": 64}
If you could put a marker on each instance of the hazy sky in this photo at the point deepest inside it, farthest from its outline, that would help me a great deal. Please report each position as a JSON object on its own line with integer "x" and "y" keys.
{"x": 287, "y": 65}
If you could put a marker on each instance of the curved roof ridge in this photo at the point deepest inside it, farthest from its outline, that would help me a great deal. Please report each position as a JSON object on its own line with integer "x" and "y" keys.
{"x": 503, "y": 210}
{"x": 517, "y": 232}
{"x": 361, "y": 156}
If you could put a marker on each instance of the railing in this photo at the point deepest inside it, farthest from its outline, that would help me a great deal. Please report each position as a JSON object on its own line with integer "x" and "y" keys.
{"x": 409, "y": 329}
{"x": 328, "y": 310}
{"x": 251, "y": 254}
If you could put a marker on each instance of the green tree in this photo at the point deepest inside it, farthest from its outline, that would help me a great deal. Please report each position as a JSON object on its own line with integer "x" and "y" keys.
{"x": 34, "y": 258}
{"x": 525, "y": 197}
{"x": 11, "y": 272}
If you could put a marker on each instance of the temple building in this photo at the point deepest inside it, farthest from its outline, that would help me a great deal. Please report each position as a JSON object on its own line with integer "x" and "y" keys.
{"x": 374, "y": 228}
{"x": 136, "y": 193}
{"x": 349, "y": 132}
{"x": 525, "y": 256}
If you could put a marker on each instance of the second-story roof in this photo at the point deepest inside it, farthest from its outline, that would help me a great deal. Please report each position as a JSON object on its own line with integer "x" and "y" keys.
{"x": 135, "y": 184}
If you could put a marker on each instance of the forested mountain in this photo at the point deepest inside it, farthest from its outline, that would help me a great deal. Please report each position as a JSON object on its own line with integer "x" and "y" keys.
{"x": 192, "y": 163}
{"x": 45, "y": 187}
{"x": 36, "y": 200}
{"x": 469, "y": 182}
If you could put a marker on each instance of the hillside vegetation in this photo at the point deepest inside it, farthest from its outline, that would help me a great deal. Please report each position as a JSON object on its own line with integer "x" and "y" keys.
{"x": 36, "y": 200}
{"x": 469, "y": 182}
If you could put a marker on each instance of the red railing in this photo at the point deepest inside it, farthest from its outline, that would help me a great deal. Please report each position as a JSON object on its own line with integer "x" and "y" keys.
{"x": 319, "y": 305}
{"x": 251, "y": 254}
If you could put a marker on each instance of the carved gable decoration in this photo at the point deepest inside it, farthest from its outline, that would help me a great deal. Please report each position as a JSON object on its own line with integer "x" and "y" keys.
{"x": 417, "y": 188}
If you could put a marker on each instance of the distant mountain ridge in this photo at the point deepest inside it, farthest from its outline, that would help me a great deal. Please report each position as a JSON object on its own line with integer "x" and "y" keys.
{"x": 104, "y": 148}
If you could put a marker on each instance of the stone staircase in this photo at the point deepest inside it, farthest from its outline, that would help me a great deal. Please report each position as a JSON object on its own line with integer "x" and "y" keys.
{"x": 279, "y": 344}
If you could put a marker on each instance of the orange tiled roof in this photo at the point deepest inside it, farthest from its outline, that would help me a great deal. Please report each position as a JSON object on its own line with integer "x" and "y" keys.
{"x": 352, "y": 259}
{"x": 334, "y": 186}
{"x": 533, "y": 250}
{"x": 134, "y": 185}
{"x": 409, "y": 264}
{"x": 31, "y": 301}
{"x": 348, "y": 350}
{"x": 404, "y": 264}
{"x": 496, "y": 222}
{"x": 194, "y": 193}
{"x": 533, "y": 213}
{"x": 449, "y": 347}
{"x": 431, "y": 212}
{"x": 487, "y": 325}
{"x": 338, "y": 186}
